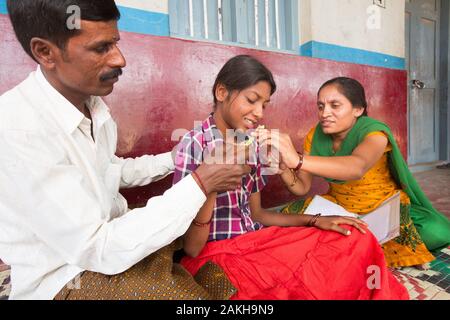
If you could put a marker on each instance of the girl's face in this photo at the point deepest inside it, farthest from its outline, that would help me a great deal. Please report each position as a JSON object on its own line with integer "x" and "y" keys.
{"x": 337, "y": 115}
{"x": 242, "y": 110}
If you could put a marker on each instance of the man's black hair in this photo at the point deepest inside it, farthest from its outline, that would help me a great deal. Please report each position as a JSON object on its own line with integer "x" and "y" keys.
{"x": 48, "y": 19}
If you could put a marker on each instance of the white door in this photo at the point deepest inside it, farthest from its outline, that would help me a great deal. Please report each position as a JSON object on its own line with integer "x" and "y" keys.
{"x": 422, "y": 63}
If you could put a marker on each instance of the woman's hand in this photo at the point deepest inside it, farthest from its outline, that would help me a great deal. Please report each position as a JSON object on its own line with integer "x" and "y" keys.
{"x": 281, "y": 143}
{"x": 332, "y": 223}
{"x": 283, "y": 168}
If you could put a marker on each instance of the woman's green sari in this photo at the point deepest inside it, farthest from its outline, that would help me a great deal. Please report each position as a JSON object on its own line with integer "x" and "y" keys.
{"x": 433, "y": 227}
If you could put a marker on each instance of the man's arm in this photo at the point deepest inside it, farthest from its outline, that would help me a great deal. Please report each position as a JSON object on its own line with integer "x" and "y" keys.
{"x": 144, "y": 170}
{"x": 53, "y": 199}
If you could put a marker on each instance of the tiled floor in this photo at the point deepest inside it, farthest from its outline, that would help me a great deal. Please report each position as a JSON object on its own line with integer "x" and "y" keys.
{"x": 433, "y": 284}
{"x": 436, "y": 185}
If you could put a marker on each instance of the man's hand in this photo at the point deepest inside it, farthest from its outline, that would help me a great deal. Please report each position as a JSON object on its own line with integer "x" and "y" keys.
{"x": 224, "y": 167}
{"x": 222, "y": 177}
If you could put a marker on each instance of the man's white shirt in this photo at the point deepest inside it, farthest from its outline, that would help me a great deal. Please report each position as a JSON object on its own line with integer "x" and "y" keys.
{"x": 61, "y": 212}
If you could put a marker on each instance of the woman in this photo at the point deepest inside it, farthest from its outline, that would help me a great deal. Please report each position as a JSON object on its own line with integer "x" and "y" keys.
{"x": 316, "y": 258}
{"x": 363, "y": 165}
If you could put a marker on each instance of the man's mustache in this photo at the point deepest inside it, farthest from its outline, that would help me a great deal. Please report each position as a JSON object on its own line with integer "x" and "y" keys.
{"x": 111, "y": 75}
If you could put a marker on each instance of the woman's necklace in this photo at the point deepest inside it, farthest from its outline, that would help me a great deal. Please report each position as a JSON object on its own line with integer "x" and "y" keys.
{"x": 336, "y": 147}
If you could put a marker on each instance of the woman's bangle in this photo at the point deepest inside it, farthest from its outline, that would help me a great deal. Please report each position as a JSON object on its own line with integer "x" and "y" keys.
{"x": 300, "y": 162}
{"x": 201, "y": 225}
{"x": 313, "y": 221}
{"x": 195, "y": 174}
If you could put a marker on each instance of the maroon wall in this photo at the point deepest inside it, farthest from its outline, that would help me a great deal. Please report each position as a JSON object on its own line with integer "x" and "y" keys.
{"x": 167, "y": 85}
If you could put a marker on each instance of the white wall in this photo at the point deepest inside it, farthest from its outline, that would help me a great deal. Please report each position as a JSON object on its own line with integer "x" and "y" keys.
{"x": 304, "y": 15}
{"x": 345, "y": 23}
{"x": 161, "y": 6}
{"x": 337, "y": 22}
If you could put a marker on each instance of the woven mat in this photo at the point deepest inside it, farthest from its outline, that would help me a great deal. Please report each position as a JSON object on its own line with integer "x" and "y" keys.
{"x": 432, "y": 284}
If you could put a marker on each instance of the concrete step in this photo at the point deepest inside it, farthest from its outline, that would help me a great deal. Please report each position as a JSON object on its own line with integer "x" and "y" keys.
{"x": 421, "y": 167}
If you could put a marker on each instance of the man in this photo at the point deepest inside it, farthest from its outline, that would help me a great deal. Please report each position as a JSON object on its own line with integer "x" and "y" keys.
{"x": 61, "y": 214}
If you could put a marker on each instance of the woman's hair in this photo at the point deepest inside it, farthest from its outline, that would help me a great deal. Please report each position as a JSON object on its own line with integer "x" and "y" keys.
{"x": 351, "y": 89}
{"x": 242, "y": 72}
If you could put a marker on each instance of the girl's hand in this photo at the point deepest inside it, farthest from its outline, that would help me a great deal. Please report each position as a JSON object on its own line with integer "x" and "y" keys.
{"x": 332, "y": 223}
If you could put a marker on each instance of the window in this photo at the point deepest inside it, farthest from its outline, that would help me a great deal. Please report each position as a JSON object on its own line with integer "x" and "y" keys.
{"x": 271, "y": 24}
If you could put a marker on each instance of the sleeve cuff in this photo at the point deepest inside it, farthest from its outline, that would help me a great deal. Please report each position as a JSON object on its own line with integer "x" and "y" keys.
{"x": 195, "y": 188}
{"x": 158, "y": 167}
{"x": 166, "y": 160}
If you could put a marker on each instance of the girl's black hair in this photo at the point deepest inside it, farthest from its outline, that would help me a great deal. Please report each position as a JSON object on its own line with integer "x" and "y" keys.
{"x": 351, "y": 89}
{"x": 241, "y": 72}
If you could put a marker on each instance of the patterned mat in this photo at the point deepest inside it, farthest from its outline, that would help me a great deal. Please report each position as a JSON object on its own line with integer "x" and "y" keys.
{"x": 432, "y": 284}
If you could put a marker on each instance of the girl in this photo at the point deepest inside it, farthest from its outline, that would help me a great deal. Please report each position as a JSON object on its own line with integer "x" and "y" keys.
{"x": 363, "y": 164}
{"x": 316, "y": 258}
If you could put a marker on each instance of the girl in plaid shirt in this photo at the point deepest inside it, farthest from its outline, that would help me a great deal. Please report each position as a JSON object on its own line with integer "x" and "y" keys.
{"x": 261, "y": 255}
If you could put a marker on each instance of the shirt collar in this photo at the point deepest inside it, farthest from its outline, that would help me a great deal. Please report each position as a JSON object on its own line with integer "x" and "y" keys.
{"x": 211, "y": 133}
{"x": 68, "y": 115}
